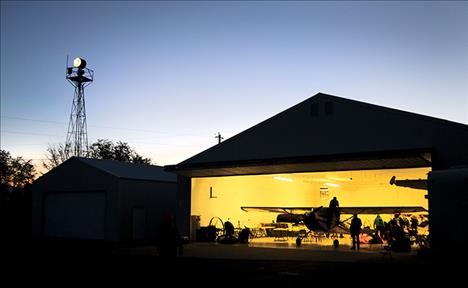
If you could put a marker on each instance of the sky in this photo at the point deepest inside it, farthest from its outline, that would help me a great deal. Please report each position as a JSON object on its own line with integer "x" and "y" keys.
{"x": 170, "y": 75}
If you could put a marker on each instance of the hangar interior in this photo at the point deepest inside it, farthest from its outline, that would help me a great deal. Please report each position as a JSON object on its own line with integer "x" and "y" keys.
{"x": 222, "y": 197}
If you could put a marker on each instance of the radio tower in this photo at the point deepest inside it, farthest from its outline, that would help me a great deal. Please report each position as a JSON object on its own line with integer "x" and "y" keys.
{"x": 77, "y": 136}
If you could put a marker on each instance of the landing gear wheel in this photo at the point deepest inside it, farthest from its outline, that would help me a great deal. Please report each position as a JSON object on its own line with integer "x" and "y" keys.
{"x": 336, "y": 243}
{"x": 298, "y": 241}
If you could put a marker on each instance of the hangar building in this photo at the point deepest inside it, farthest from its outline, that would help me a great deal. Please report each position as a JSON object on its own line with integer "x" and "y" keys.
{"x": 322, "y": 147}
{"x": 102, "y": 200}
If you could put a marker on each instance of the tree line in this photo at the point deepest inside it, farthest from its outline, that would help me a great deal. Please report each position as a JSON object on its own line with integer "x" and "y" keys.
{"x": 16, "y": 172}
{"x": 101, "y": 149}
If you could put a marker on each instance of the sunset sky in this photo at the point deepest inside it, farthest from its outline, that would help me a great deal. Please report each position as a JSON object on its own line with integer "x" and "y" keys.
{"x": 169, "y": 75}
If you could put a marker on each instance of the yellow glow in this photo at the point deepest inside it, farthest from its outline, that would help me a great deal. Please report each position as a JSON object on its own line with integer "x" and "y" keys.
{"x": 367, "y": 188}
{"x": 309, "y": 180}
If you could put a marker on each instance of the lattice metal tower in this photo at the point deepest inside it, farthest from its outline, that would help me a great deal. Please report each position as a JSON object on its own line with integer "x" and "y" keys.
{"x": 77, "y": 136}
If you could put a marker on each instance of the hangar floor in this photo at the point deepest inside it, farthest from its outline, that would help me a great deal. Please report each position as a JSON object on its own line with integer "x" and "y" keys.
{"x": 279, "y": 251}
{"x": 319, "y": 243}
{"x": 287, "y": 251}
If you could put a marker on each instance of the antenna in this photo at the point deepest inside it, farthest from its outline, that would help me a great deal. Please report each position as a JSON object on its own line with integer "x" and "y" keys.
{"x": 77, "y": 136}
{"x": 66, "y": 64}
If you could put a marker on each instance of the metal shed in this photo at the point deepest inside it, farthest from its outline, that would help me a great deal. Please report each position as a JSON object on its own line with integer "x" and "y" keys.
{"x": 102, "y": 200}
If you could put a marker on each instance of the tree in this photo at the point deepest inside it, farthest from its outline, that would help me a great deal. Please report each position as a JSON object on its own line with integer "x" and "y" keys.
{"x": 15, "y": 172}
{"x": 101, "y": 149}
{"x": 16, "y": 175}
{"x": 55, "y": 156}
{"x": 5, "y": 168}
{"x": 106, "y": 149}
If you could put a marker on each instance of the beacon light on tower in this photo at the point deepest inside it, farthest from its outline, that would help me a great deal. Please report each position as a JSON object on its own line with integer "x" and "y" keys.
{"x": 79, "y": 63}
{"x": 79, "y": 76}
{"x": 78, "y": 72}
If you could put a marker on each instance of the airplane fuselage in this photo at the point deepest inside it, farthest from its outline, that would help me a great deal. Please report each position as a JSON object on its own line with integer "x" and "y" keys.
{"x": 315, "y": 220}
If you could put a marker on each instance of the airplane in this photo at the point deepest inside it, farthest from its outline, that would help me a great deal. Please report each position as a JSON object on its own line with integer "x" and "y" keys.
{"x": 410, "y": 183}
{"x": 316, "y": 219}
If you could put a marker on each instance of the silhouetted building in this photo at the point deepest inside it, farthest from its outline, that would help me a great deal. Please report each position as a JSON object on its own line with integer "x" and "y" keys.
{"x": 329, "y": 133}
{"x": 102, "y": 199}
{"x": 448, "y": 199}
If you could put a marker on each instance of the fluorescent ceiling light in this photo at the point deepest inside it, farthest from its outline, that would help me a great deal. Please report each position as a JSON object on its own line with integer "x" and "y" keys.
{"x": 332, "y": 184}
{"x": 339, "y": 179}
{"x": 283, "y": 179}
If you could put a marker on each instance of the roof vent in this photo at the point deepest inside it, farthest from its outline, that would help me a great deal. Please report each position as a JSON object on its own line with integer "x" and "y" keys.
{"x": 328, "y": 108}
{"x": 314, "y": 109}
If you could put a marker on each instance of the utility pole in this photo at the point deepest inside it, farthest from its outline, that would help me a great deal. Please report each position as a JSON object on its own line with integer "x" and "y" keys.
{"x": 219, "y": 137}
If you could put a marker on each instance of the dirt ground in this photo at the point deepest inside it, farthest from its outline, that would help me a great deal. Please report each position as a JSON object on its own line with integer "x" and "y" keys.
{"x": 209, "y": 265}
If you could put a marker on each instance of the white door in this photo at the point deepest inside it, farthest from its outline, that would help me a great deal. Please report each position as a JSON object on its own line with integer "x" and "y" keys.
{"x": 75, "y": 214}
{"x": 139, "y": 223}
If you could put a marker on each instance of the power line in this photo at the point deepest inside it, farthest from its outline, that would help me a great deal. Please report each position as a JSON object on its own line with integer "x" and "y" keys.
{"x": 30, "y": 133}
{"x": 24, "y": 144}
{"x": 94, "y": 139}
{"x": 105, "y": 127}
{"x": 33, "y": 120}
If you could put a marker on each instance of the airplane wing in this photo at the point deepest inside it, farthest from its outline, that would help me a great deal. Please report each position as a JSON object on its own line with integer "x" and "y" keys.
{"x": 410, "y": 183}
{"x": 343, "y": 210}
{"x": 381, "y": 210}
{"x": 289, "y": 210}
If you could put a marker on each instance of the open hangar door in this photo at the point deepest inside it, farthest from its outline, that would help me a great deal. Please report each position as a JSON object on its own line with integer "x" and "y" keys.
{"x": 222, "y": 197}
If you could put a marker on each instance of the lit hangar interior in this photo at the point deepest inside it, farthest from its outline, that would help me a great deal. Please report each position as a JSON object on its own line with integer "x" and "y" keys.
{"x": 223, "y": 197}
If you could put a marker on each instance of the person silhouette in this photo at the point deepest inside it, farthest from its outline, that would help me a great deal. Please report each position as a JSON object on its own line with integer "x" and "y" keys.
{"x": 244, "y": 235}
{"x": 333, "y": 212}
{"x": 379, "y": 225}
{"x": 355, "y": 229}
{"x": 169, "y": 242}
{"x": 414, "y": 225}
{"x": 229, "y": 229}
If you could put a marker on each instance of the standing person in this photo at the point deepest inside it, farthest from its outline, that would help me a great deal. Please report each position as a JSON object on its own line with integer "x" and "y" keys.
{"x": 229, "y": 229}
{"x": 244, "y": 235}
{"x": 333, "y": 211}
{"x": 379, "y": 225}
{"x": 414, "y": 224}
{"x": 169, "y": 242}
{"x": 355, "y": 230}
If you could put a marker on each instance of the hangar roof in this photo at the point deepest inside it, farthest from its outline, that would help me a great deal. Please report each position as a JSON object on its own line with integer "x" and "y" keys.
{"x": 130, "y": 170}
{"x": 329, "y": 129}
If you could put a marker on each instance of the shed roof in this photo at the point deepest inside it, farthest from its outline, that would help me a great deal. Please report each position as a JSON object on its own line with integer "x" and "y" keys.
{"x": 129, "y": 170}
